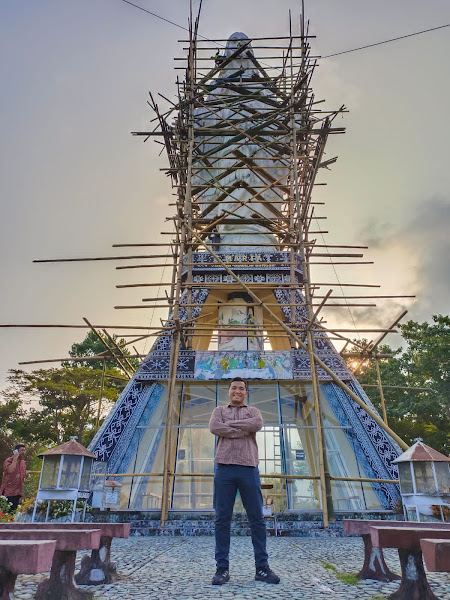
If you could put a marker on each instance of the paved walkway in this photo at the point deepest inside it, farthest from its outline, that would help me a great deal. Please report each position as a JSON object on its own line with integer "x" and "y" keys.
{"x": 182, "y": 568}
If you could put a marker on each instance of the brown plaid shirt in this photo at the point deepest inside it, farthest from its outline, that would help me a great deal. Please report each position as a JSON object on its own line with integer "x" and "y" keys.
{"x": 236, "y": 427}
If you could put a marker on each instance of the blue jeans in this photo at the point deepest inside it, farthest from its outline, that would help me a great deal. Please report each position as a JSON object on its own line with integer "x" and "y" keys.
{"x": 227, "y": 480}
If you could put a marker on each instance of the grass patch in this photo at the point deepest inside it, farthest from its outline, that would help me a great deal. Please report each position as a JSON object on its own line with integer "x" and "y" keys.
{"x": 347, "y": 578}
{"x": 328, "y": 566}
{"x": 377, "y": 597}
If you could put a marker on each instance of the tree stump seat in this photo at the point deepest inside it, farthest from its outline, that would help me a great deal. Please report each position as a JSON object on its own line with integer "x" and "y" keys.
{"x": 414, "y": 584}
{"x": 60, "y": 584}
{"x": 23, "y": 557}
{"x": 374, "y": 566}
{"x": 96, "y": 568}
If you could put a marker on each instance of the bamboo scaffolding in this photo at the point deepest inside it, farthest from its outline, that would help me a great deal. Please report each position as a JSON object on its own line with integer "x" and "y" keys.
{"x": 206, "y": 151}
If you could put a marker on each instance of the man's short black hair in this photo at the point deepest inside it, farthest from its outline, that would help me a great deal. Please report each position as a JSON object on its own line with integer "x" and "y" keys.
{"x": 19, "y": 446}
{"x": 238, "y": 379}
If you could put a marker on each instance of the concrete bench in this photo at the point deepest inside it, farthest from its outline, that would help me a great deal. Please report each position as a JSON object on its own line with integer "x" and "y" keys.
{"x": 414, "y": 584}
{"x": 97, "y": 568}
{"x": 22, "y": 556}
{"x": 374, "y": 566}
{"x": 60, "y": 585}
{"x": 436, "y": 554}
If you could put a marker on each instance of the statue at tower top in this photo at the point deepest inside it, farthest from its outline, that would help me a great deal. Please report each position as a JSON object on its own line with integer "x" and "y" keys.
{"x": 240, "y": 97}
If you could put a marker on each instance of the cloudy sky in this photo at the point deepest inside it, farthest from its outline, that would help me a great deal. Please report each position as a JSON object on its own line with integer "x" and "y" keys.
{"x": 73, "y": 181}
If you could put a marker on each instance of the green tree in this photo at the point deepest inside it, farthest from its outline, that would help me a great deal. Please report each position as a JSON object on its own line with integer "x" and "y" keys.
{"x": 92, "y": 345}
{"x": 63, "y": 402}
{"x": 45, "y": 407}
{"x": 8, "y": 413}
{"x": 423, "y": 363}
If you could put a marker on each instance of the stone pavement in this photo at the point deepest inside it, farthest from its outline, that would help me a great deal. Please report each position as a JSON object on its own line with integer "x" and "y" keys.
{"x": 182, "y": 568}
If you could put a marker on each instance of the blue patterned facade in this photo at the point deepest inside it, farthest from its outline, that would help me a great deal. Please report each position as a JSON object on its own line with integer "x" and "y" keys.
{"x": 374, "y": 449}
{"x": 117, "y": 439}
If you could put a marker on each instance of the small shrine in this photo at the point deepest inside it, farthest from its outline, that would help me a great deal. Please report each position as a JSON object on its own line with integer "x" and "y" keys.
{"x": 424, "y": 475}
{"x": 65, "y": 475}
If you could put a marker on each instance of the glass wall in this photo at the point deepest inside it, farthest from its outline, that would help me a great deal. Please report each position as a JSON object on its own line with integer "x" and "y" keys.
{"x": 195, "y": 449}
{"x": 146, "y": 455}
{"x": 300, "y": 446}
{"x": 287, "y": 448}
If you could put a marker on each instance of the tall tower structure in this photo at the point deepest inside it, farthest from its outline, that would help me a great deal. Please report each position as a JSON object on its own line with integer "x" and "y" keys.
{"x": 245, "y": 142}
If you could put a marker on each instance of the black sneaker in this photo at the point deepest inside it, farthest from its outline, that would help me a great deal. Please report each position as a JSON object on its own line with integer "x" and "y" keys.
{"x": 266, "y": 574}
{"x": 222, "y": 576}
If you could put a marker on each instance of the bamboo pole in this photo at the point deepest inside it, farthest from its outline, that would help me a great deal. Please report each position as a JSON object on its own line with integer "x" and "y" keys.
{"x": 113, "y": 356}
{"x": 167, "y": 478}
{"x": 271, "y": 476}
{"x": 397, "y": 387}
{"x": 119, "y": 350}
{"x": 97, "y": 258}
{"x": 380, "y": 388}
{"x": 327, "y": 503}
{"x": 101, "y": 395}
{"x": 184, "y": 234}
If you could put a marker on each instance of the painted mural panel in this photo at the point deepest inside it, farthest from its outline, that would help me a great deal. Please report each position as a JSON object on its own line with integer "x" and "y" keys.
{"x": 234, "y": 313}
{"x": 248, "y": 365}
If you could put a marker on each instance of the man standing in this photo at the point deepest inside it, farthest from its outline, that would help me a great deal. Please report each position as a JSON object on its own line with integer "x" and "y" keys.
{"x": 14, "y": 472}
{"x": 236, "y": 468}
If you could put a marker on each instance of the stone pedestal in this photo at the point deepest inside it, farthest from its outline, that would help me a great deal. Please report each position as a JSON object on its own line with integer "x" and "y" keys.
{"x": 98, "y": 568}
{"x": 60, "y": 585}
{"x": 374, "y": 566}
{"x": 414, "y": 584}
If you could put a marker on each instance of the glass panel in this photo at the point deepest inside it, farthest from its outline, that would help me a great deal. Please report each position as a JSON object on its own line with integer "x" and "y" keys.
{"x": 347, "y": 496}
{"x": 198, "y": 402}
{"x": 342, "y": 449}
{"x": 297, "y": 404}
{"x": 149, "y": 458}
{"x": 370, "y": 498}
{"x": 328, "y": 416}
{"x": 50, "y": 470}
{"x": 125, "y": 491}
{"x": 86, "y": 473}
{"x": 342, "y": 462}
{"x": 152, "y": 494}
{"x": 195, "y": 455}
{"x": 270, "y": 462}
{"x": 142, "y": 492}
{"x": 411, "y": 514}
{"x": 264, "y": 396}
{"x": 405, "y": 476}
{"x": 425, "y": 517}
{"x": 70, "y": 474}
{"x": 193, "y": 493}
{"x": 443, "y": 476}
{"x": 301, "y": 459}
{"x": 425, "y": 483}
{"x": 222, "y": 396}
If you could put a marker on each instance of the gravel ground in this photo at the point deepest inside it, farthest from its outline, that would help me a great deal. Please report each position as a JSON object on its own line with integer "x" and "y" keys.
{"x": 182, "y": 568}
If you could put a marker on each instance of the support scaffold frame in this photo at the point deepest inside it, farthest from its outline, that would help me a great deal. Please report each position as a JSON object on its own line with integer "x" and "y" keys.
{"x": 291, "y": 127}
